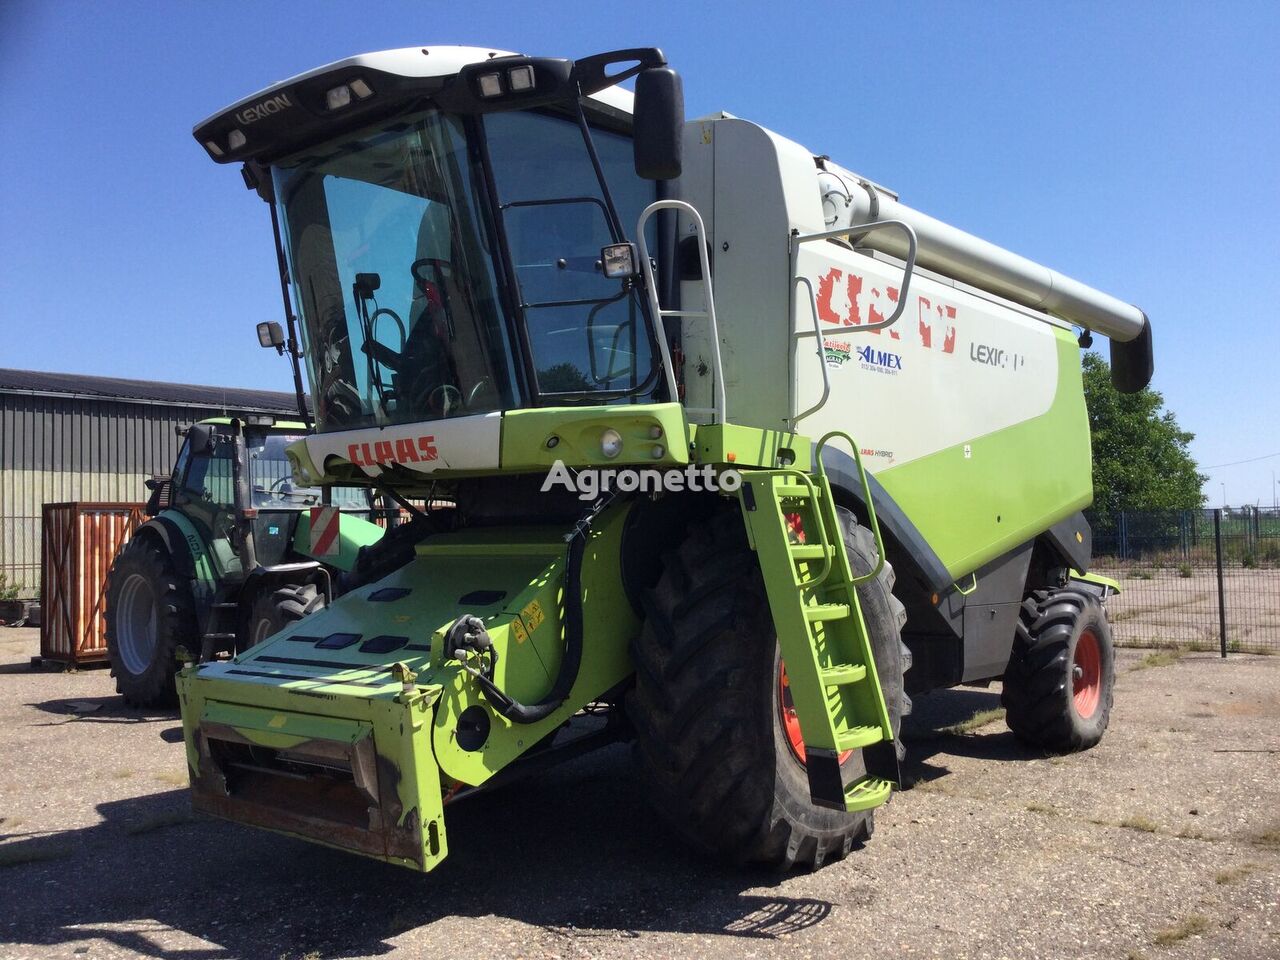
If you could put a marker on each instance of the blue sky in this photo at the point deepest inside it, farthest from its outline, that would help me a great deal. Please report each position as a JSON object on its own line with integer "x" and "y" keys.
{"x": 1133, "y": 146}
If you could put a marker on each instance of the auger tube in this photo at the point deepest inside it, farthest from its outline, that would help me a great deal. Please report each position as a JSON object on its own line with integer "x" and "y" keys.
{"x": 969, "y": 259}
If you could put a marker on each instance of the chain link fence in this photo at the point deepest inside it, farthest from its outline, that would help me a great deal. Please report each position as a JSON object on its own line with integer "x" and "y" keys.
{"x": 1200, "y": 579}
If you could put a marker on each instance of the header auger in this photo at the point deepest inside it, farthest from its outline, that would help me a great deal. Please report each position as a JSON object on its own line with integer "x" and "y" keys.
{"x": 499, "y": 276}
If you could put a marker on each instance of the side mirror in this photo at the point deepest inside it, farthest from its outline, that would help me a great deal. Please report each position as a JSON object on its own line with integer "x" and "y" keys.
{"x": 200, "y": 437}
{"x": 271, "y": 334}
{"x": 658, "y": 123}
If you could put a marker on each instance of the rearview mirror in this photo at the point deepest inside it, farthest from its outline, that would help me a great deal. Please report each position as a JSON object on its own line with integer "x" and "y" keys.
{"x": 200, "y": 437}
{"x": 658, "y": 123}
{"x": 271, "y": 334}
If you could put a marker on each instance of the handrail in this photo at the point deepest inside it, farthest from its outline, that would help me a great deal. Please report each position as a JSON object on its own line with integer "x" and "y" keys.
{"x": 866, "y": 492}
{"x": 818, "y": 332}
{"x": 823, "y": 538}
{"x": 719, "y": 410}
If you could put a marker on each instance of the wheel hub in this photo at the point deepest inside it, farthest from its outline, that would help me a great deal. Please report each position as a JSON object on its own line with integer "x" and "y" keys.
{"x": 136, "y": 627}
{"x": 1086, "y": 675}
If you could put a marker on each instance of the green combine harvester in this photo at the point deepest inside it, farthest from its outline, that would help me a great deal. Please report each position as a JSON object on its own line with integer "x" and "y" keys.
{"x": 742, "y": 524}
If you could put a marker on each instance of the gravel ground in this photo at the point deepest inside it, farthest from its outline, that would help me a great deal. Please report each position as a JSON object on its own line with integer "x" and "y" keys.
{"x": 1162, "y": 842}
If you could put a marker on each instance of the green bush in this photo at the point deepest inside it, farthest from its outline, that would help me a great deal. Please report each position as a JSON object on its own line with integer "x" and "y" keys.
{"x": 8, "y": 591}
{"x": 1184, "y": 571}
{"x": 1249, "y": 561}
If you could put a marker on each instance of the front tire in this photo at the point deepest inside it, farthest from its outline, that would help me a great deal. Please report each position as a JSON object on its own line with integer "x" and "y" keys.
{"x": 1058, "y": 685}
{"x": 149, "y": 614}
{"x": 274, "y": 609}
{"x": 708, "y": 707}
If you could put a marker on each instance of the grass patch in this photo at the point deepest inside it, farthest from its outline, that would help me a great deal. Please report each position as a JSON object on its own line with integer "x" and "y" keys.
{"x": 173, "y": 818}
{"x": 122, "y": 774}
{"x": 1036, "y": 807}
{"x": 1138, "y": 822}
{"x": 1159, "y": 658}
{"x": 177, "y": 779}
{"x": 1192, "y": 926}
{"x": 978, "y": 720}
{"x": 1234, "y": 874}
{"x": 14, "y": 855}
{"x": 1269, "y": 839}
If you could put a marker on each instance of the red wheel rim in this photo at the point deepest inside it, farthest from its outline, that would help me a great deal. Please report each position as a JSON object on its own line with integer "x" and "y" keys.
{"x": 1086, "y": 674}
{"x": 790, "y": 720}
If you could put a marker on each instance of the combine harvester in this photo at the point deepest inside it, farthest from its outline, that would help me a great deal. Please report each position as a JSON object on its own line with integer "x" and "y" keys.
{"x": 872, "y": 436}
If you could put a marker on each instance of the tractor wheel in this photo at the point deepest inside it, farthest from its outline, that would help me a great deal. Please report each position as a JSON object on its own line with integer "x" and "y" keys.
{"x": 274, "y": 609}
{"x": 1058, "y": 685}
{"x": 149, "y": 614}
{"x": 713, "y": 737}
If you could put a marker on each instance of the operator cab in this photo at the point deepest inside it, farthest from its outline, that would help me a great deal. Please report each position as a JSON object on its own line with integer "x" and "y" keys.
{"x": 457, "y": 227}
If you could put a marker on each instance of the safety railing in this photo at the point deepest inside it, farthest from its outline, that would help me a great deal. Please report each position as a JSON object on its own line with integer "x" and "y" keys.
{"x": 819, "y": 332}
{"x": 717, "y": 411}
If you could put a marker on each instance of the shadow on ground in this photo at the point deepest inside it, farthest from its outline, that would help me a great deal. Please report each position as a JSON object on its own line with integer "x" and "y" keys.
{"x": 571, "y": 850}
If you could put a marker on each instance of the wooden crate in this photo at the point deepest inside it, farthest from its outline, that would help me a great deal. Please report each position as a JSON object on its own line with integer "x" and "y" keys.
{"x": 78, "y": 542}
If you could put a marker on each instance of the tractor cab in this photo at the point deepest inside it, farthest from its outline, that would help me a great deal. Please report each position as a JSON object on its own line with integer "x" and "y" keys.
{"x": 459, "y": 231}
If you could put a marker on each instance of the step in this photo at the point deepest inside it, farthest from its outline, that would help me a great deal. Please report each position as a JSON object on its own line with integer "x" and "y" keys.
{"x": 809, "y": 551}
{"x": 219, "y": 636}
{"x": 826, "y": 611}
{"x": 227, "y": 605}
{"x": 843, "y": 673}
{"x": 855, "y": 738}
{"x": 795, "y": 491}
{"x": 866, "y": 793}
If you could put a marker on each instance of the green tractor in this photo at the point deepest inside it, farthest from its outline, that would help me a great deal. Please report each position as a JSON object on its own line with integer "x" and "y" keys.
{"x": 738, "y": 525}
{"x": 233, "y": 551}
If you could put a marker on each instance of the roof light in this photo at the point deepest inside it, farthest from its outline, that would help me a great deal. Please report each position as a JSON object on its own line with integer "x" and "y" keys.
{"x": 490, "y": 84}
{"x": 338, "y": 97}
{"x": 361, "y": 89}
{"x": 521, "y": 78}
{"x": 213, "y": 148}
{"x": 236, "y": 140}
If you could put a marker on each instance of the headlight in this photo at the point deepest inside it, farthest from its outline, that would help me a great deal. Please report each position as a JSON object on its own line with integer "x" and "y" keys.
{"x": 611, "y": 443}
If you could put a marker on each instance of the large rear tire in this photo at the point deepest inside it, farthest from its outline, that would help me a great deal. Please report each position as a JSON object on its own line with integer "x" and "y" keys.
{"x": 709, "y": 710}
{"x": 1058, "y": 685}
{"x": 149, "y": 614}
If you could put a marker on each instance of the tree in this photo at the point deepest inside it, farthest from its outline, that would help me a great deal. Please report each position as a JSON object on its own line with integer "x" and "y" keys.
{"x": 1140, "y": 456}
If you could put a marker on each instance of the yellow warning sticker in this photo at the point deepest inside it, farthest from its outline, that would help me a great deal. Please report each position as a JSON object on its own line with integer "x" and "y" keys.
{"x": 533, "y": 615}
{"x": 517, "y": 628}
{"x": 278, "y": 720}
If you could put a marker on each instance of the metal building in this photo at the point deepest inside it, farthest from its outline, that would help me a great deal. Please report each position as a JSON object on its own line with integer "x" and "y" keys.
{"x": 69, "y": 437}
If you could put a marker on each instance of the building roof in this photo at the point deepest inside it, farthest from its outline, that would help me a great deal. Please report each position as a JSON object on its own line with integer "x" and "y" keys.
{"x": 78, "y": 386}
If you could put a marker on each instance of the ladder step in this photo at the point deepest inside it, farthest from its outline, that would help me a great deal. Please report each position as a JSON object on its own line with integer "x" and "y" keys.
{"x": 219, "y": 636}
{"x": 826, "y": 611}
{"x": 227, "y": 605}
{"x": 795, "y": 491}
{"x": 842, "y": 674}
{"x": 809, "y": 551}
{"x": 856, "y": 737}
{"x": 866, "y": 793}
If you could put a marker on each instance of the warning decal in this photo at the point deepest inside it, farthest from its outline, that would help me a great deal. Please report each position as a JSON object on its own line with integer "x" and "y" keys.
{"x": 324, "y": 531}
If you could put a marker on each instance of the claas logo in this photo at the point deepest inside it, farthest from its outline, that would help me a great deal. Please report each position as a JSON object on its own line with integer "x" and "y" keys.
{"x": 406, "y": 450}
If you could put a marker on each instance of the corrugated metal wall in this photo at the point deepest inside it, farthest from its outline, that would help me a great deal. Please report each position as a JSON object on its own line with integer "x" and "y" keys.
{"x": 58, "y": 449}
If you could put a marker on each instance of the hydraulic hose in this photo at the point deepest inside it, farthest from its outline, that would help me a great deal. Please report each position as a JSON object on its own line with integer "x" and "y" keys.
{"x": 508, "y": 706}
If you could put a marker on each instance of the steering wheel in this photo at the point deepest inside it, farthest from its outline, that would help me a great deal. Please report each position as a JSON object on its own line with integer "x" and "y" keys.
{"x": 445, "y": 398}
{"x": 475, "y": 391}
{"x": 271, "y": 490}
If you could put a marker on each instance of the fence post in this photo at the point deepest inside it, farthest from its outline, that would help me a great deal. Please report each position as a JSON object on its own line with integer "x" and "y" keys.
{"x": 1222, "y": 600}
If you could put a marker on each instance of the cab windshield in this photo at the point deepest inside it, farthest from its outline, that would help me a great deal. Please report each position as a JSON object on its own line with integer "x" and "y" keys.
{"x": 409, "y": 258}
